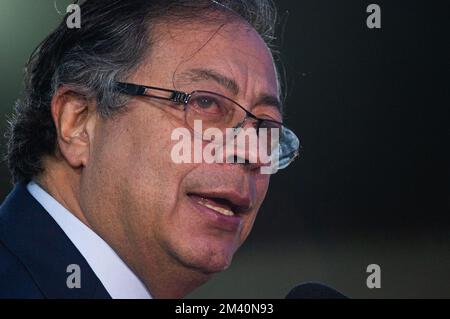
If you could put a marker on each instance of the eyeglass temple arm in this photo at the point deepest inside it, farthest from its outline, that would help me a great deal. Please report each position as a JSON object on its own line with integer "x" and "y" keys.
{"x": 140, "y": 90}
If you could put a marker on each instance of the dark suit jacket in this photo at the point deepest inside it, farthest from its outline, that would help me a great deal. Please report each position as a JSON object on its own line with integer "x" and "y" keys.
{"x": 35, "y": 253}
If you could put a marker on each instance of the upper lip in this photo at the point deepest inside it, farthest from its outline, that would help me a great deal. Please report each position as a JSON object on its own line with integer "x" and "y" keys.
{"x": 238, "y": 203}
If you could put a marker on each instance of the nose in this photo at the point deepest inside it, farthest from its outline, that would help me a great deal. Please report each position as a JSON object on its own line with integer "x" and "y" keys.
{"x": 247, "y": 164}
{"x": 248, "y": 148}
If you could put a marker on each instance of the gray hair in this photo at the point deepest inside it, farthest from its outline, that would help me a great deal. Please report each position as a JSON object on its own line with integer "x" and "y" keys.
{"x": 110, "y": 45}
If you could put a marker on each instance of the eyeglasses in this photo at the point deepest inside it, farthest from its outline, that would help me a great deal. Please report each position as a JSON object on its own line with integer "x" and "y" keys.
{"x": 218, "y": 111}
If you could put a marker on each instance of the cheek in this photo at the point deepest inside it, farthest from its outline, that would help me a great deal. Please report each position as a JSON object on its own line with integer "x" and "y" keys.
{"x": 262, "y": 182}
{"x": 133, "y": 169}
{"x": 150, "y": 166}
{"x": 143, "y": 148}
{"x": 261, "y": 187}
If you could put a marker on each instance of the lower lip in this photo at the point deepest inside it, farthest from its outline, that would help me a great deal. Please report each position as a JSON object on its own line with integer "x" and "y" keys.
{"x": 226, "y": 223}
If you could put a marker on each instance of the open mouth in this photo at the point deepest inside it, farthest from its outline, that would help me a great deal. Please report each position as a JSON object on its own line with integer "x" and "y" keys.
{"x": 219, "y": 205}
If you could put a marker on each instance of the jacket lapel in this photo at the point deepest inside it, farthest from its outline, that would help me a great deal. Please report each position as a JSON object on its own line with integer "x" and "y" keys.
{"x": 44, "y": 249}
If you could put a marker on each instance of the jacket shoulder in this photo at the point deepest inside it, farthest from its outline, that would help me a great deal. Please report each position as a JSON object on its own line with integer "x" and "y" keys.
{"x": 15, "y": 280}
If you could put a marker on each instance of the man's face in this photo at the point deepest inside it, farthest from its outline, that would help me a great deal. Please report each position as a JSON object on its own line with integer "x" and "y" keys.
{"x": 151, "y": 209}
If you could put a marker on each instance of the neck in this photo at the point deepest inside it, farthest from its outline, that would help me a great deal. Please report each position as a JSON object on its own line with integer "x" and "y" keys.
{"x": 163, "y": 275}
{"x": 62, "y": 183}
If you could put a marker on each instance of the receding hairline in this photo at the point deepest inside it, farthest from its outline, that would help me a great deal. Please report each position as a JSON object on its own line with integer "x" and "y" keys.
{"x": 226, "y": 19}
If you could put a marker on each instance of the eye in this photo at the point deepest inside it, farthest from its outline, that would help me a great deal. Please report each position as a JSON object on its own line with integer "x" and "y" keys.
{"x": 269, "y": 123}
{"x": 206, "y": 103}
{"x": 269, "y": 113}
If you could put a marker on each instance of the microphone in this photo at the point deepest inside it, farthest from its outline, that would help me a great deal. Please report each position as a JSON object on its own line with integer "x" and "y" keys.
{"x": 312, "y": 290}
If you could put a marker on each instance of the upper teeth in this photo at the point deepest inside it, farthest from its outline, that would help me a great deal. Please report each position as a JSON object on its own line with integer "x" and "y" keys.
{"x": 220, "y": 210}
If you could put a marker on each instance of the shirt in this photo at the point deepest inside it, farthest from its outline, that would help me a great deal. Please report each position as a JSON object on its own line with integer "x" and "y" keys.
{"x": 117, "y": 278}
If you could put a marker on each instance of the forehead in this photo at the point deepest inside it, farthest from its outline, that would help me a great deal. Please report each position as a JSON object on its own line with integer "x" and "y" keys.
{"x": 233, "y": 49}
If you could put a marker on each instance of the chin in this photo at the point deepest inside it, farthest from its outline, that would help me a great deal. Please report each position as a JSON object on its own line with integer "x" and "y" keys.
{"x": 207, "y": 258}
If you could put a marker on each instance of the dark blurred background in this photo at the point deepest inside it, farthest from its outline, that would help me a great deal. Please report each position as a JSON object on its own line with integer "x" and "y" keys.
{"x": 373, "y": 182}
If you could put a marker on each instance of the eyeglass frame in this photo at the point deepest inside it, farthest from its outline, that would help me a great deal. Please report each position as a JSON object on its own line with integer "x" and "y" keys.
{"x": 183, "y": 98}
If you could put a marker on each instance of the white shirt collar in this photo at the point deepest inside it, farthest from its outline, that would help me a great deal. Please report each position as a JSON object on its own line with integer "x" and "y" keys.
{"x": 114, "y": 274}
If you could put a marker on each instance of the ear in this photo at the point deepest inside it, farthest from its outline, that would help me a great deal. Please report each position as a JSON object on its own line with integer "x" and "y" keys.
{"x": 74, "y": 116}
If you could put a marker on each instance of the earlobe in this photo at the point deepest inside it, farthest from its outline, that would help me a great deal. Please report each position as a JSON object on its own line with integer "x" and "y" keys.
{"x": 72, "y": 114}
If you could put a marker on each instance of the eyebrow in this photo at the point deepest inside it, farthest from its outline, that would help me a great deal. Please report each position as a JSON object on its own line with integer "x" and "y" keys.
{"x": 197, "y": 75}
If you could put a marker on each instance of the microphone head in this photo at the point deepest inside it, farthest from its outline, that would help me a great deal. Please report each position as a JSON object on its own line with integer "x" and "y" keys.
{"x": 312, "y": 290}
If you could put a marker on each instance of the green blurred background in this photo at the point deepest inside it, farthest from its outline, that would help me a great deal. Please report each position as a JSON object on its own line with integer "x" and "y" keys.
{"x": 373, "y": 183}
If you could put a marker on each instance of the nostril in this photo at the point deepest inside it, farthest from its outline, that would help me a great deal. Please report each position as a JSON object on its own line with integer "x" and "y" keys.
{"x": 236, "y": 159}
